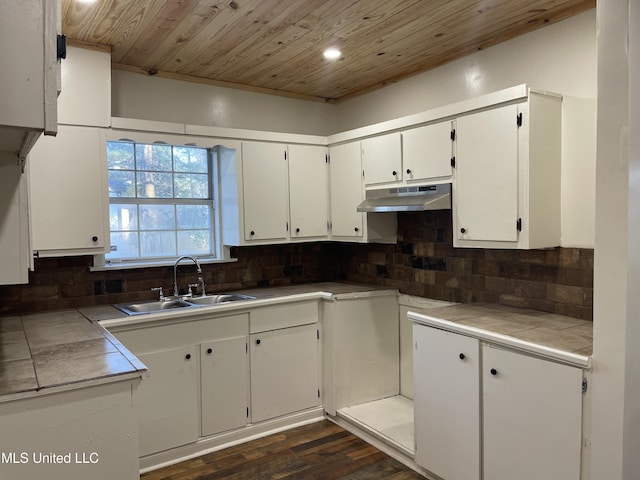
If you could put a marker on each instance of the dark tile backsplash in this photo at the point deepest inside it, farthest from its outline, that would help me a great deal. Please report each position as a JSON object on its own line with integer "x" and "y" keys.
{"x": 423, "y": 263}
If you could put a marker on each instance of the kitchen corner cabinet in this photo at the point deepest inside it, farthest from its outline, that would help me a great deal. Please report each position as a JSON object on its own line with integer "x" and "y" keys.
{"x": 346, "y": 193}
{"x": 265, "y": 189}
{"x": 68, "y": 193}
{"x": 426, "y": 153}
{"x": 345, "y": 174}
{"x": 308, "y": 191}
{"x": 516, "y": 415}
{"x": 30, "y": 75}
{"x": 507, "y": 175}
{"x": 382, "y": 159}
{"x": 285, "y": 360}
{"x": 361, "y": 346}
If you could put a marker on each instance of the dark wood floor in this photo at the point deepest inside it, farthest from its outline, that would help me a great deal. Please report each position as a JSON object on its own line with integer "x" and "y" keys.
{"x": 320, "y": 451}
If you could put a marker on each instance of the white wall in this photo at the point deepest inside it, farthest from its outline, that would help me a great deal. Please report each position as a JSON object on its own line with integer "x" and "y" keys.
{"x": 167, "y": 100}
{"x": 615, "y": 407}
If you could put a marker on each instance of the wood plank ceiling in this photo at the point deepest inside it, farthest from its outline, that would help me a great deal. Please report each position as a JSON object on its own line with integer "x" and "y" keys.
{"x": 275, "y": 46}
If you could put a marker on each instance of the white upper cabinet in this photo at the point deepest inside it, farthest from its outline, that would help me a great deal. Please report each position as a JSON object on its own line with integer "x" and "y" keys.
{"x": 345, "y": 173}
{"x": 487, "y": 175}
{"x": 427, "y": 152}
{"x": 382, "y": 159}
{"x": 30, "y": 75}
{"x": 507, "y": 175}
{"x": 265, "y": 182}
{"x": 68, "y": 193}
{"x": 308, "y": 191}
{"x": 86, "y": 88}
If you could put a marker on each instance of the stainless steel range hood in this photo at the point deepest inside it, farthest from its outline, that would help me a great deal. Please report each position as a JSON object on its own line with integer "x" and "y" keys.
{"x": 408, "y": 199}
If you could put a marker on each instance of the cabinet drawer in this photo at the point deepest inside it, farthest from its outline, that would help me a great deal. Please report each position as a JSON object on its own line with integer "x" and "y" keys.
{"x": 274, "y": 318}
{"x": 157, "y": 338}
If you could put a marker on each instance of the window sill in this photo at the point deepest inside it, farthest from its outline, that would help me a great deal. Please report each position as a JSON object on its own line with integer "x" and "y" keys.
{"x": 161, "y": 263}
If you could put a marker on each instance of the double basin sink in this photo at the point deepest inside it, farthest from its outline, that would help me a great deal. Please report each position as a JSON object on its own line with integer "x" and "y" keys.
{"x": 154, "y": 306}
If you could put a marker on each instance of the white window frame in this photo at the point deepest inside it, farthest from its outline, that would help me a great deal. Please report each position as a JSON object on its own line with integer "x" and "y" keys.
{"x": 220, "y": 253}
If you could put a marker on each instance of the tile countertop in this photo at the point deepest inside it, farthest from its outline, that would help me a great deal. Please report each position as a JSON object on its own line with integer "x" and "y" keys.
{"x": 539, "y": 332}
{"x": 67, "y": 349}
{"x": 58, "y": 350}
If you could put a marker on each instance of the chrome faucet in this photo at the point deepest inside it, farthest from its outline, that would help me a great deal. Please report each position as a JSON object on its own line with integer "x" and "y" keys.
{"x": 175, "y": 272}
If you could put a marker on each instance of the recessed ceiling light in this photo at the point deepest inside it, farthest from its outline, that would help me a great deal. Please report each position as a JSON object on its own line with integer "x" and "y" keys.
{"x": 332, "y": 53}
{"x": 87, "y": 1}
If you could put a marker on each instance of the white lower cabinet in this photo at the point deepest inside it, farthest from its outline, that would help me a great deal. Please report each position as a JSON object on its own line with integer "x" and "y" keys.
{"x": 197, "y": 379}
{"x": 516, "y": 415}
{"x": 285, "y": 359}
{"x": 223, "y": 375}
{"x": 532, "y": 417}
{"x": 284, "y": 372}
{"x": 446, "y": 392}
{"x": 167, "y": 404}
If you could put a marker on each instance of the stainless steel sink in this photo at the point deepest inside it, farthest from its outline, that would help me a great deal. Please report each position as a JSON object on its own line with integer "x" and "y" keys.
{"x": 152, "y": 306}
{"x": 220, "y": 298}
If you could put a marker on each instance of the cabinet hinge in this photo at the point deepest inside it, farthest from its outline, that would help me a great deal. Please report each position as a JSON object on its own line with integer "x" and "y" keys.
{"x": 318, "y": 393}
{"x": 36, "y": 254}
{"x": 585, "y": 385}
{"x": 285, "y": 154}
{"x": 246, "y": 347}
{"x": 519, "y": 119}
{"x": 453, "y": 162}
{"x": 519, "y": 225}
{"x": 287, "y": 226}
{"x": 326, "y": 158}
{"x": 318, "y": 334}
{"x": 453, "y": 135}
{"x": 61, "y": 47}
{"x": 247, "y": 412}
{"x": 362, "y": 173}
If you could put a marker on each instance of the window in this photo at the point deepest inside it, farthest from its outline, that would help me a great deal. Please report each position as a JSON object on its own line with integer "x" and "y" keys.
{"x": 160, "y": 201}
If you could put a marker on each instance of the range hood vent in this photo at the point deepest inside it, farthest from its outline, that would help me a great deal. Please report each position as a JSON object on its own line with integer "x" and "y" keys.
{"x": 408, "y": 199}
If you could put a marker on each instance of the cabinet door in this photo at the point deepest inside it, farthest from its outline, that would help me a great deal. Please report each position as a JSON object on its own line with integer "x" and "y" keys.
{"x": 345, "y": 181}
{"x": 532, "y": 411}
{"x": 68, "y": 188}
{"x": 446, "y": 388}
{"x": 382, "y": 159}
{"x": 166, "y": 401}
{"x": 486, "y": 178}
{"x": 284, "y": 372}
{"x": 223, "y": 378}
{"x": 265, "y": 180}
{"x": 426, "y": 152}
{"x": 308, "y": 191}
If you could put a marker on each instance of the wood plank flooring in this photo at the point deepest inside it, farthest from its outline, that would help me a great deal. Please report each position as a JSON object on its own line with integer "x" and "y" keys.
{"x": 319, "y": 451}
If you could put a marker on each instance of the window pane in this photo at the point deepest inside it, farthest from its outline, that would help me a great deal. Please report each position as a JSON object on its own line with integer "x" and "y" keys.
{"x": 122, "y": 184}
{"x": 193, "y": 216}
{"x": 153, "y": 157}
{"x": 158, "y": 244}
{"x": 191, "y": 185}
{"x": 190, "y": 159}
{"x": 120, "y": 156}
{"x": 155, "y": 185}
{"x": 157, "y": 217}
{"x": 123, "y": 217}
{"x": 194, "y": 242}
{"x": 123, "y": 245}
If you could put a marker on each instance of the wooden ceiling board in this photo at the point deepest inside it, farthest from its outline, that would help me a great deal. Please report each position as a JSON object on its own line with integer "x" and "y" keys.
{"x": 275, "y": 46}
